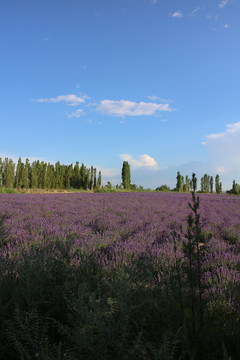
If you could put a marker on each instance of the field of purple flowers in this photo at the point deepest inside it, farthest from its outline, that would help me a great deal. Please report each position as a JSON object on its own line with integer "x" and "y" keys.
{"x": 119, "y": 276}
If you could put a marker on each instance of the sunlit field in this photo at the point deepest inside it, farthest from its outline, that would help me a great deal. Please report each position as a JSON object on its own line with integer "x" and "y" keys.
{"x": 119, "y": 276}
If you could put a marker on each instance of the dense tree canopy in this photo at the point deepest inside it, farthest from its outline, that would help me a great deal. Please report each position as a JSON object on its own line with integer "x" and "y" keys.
{"x": 126, "y": 175}
{"x": 47, "y": 176}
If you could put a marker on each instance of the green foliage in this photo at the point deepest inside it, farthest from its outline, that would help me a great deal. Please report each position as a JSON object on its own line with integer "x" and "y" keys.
{"x": 205, "y": 183}
{"x": 218, "y": 184}
{"x": 211, "y": 184}
{"x": 7, "y": 191}
{"x": 193, "y": 183}
{"x": 47, "y": 176}
{"x": 179, "y": 185}
{"x": 126, "y": 175}
{"x": 163, "y": 188}
{"x": 235, "y": 189}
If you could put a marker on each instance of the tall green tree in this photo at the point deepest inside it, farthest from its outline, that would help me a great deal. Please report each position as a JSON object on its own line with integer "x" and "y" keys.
{"x": 211, "y": 184}
{"x": 193, "y": 183}
{"x": 1, "y": 172}
{"x": 18, "y": 173}
{"x": 205, "y": 183}
{"x": 33, "y": 175}
{"x": 76, "y": 180}
{"x": 235, "y": 188}
{"x": 186, "y": 186}
{"x": 50, "y": 176}
{"x": 94, "y": 178}
{"x": 8, "y": 173}
{"x": 26, "y": 174}
{"x": 42, "y": 178}
{"x": 91, "y": 179}
{"x": 99, "y": 180}
{"x": 218, "y": 184}
{"x": 126, "y": 175}
{"x": 83, "y": 171}
{"x": 59, "y": 176}
{"x": 179, "y": 185}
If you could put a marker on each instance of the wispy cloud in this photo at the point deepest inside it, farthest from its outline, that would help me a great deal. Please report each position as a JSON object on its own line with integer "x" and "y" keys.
{"x": 70, "y": 99}
{"x": 141, "y": 161}
{"x": 226, "y": 26}
{"x": 222, "y": 3}
{"x": 194, "y": 12}
{"x": 177, "y": 14}
{"x": 156, "y": 98}
{"x": 230, "y": 129}
{"x": 76, "y": 114}
{"x": 130, "y": 108}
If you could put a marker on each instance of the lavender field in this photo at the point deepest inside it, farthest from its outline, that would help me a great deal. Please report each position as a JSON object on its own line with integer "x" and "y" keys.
{"x": 119, "y": 276}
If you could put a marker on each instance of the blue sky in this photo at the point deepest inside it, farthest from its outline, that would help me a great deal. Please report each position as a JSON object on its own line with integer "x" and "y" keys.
{"x": 153, "y": 82}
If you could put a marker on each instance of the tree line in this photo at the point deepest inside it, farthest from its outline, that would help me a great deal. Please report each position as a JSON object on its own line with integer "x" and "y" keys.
{"x": 207, "y": 183}
{"x": 47, "y": 176}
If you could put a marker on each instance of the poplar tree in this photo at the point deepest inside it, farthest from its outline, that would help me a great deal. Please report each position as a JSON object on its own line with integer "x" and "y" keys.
{"x": 1, "y": 171}
{"x": 50, "y": 176}
{"x": 33, "y": 176}
{"x": 179, "y": 185}
{"x": 91, "y": 179}
{"x": 194, "y": 182}
{"x": 18, "y": 177}
{"x": 99, "y": 181}
{"x": 94, "y": 178}
{"x": 82, "y": 176}
{"x": 235, "y": 188}
{"x": 68, "y": 175}
{"x": 205, "y": 183}
{"x": 218, "y": 184}
{"x": 8, "y": 173}
{"x": 76, "y": 182}
{"x": 25, "y": 174}
{"x": 126, "y": 175}
{"x": 211, "y": 184}
{"x": 187, "y": 184}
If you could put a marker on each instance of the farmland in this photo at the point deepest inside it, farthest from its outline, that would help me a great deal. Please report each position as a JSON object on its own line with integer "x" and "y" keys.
{"x": 119, "y": 276}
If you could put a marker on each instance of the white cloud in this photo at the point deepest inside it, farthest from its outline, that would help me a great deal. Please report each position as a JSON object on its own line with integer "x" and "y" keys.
{"x": 230, "y": 129}
{"x": 141, "y": 161}
{"x": 214, "y": 136}
{"x": 208, "y": 16}
{"x": 227, "y": 26}
{"x": 130, "y": 108}
{"x": 70, "y": 99}
{"x": 194, "y": 12}
{"x": 156, "y": 98}
{"x": 76, "y": 114}
{"x": 177, "y": 14}
{"x": 224, "y": 151}
{"x": 154, "y": 1}
{"x": 233, "y": 128}
{"x": 222, "y": 3}
{"x": 221, "y": 170}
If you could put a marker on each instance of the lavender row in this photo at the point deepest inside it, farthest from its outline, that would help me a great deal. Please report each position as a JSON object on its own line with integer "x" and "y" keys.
{"x": 120, "y": 228}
